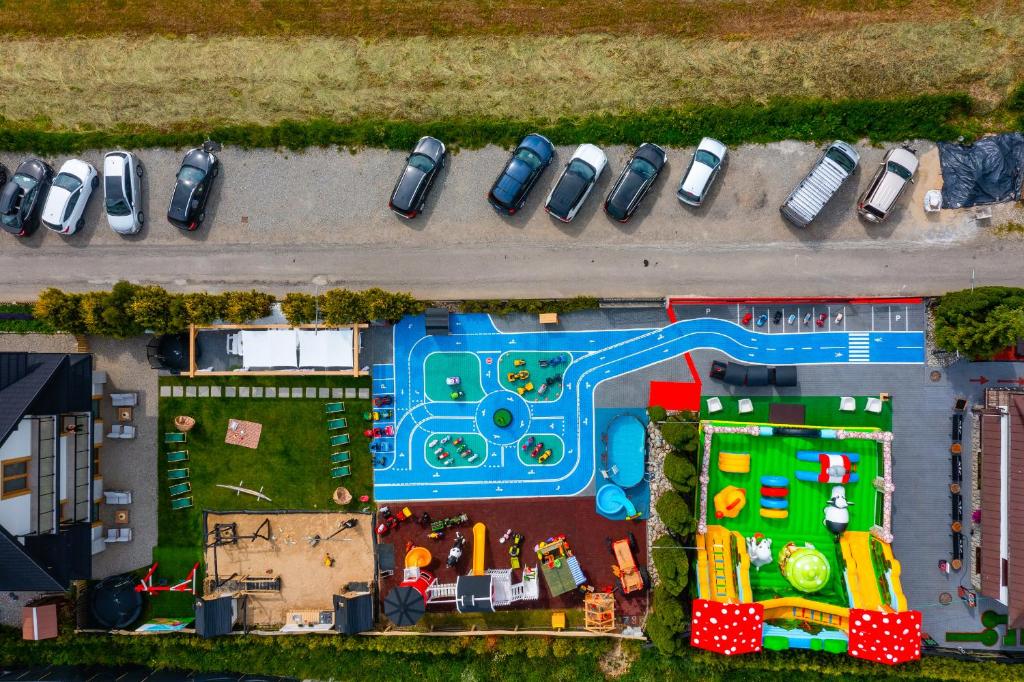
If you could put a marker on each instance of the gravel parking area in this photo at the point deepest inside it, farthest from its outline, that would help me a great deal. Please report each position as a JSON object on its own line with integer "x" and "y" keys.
{"x": 280, "y": 219}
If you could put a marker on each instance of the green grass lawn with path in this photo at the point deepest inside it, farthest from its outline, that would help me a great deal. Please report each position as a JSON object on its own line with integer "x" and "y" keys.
{"x": 291, "y": 464}
{"x": 439, "y": 366}
{"x": 538, "y": 375}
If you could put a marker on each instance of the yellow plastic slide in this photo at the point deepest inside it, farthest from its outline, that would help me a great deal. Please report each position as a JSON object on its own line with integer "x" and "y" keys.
{"x": 894, "y": 577}
{"x": 479, "y": 547}
{"x": 798, "y": 608}
{"x": 860, "y": 570}
{"x": 746, "y": 593}
{"x": 716, "y": 566}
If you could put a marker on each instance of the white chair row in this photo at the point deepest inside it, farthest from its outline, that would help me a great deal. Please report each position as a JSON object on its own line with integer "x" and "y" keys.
{"x": 849, "y": 404}
{"x": 122, "y": 431}
{"x": 118, "y": 535}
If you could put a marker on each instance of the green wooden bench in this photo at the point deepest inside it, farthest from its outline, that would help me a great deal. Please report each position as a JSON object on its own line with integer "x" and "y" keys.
{"x": 341, "y": 439}
{"x": 341, "y": 472}
{"x": 178, "y": 456}
{"x": 177, "y": 474}
{"x": 174, "y": 437}
{"x": 180, "y": 489}
{"x": 181, "y": 503}
{"x": 340, "y": 457}
{"x": 337, "y": 424}
{"x": 334, "y": 408}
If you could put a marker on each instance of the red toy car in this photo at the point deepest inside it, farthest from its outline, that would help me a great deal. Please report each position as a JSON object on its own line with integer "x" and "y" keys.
{"x": 747, "y": 318}
{"x": 537, "y": 449}
{"x": 382, "y": 400}
{"x": 821, "y": 319}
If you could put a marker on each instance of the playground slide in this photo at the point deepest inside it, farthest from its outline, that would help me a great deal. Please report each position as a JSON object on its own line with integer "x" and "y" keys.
{"x": 703, "y": 577}
{"x": 860, "y": 571}
{"x": 798, "y": 608}
{"x": 894, "y": 577}
{"x": 746, "y": 593}
{"x": 717, "y": 566}
{"x": 479, "y": 547}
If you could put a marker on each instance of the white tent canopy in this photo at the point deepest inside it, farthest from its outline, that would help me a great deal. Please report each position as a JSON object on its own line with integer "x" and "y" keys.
{"x": 325, "y": 348}
{"x": 269, "y": 348}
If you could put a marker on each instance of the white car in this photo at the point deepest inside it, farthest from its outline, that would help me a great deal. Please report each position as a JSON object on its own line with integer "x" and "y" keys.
{"x": 704, "y": 167}
{"x": 574, "y": 185}
{"x": 122, "y": 192}
{"x": 69, "y": 195}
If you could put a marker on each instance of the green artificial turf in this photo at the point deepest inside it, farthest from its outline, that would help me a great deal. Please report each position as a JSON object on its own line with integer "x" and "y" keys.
{"x": 442, "y": 365}
{"x": 820, "y": 411}
{"x": 776, "y": 456}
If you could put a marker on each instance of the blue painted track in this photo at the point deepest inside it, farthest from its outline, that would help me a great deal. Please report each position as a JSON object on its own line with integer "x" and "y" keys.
{"x": 596, "y": 357}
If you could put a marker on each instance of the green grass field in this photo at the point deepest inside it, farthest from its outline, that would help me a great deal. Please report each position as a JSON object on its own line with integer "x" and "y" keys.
{"x": 291, "y": 464}
{"x": 819, "y": 411}
{"x": 776, "y": 456}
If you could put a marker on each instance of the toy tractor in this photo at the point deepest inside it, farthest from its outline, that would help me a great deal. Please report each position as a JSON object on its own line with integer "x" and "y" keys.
{"x": 515, "y": 548}
{"x": 632, "y": 578}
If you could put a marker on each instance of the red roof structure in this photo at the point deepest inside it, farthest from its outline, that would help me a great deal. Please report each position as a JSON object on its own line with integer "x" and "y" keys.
{"x": 727, "y": 628}
{"x": 890, "y": 638}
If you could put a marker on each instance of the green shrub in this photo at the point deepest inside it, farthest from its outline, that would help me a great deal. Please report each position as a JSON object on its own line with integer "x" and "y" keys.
{"x": 243, "y": 306}
{"x": 33, "y": 325}
{"x": 675, "y": 514}
{"x": 656, "y": 413}
{"x": 153, "y": 308}
{"x": 531, "y": 306}
{"x": 681, "y": 473}
{"x": 108, "y": 313}
{"x": 60, "y": 310}
{"x": 341, "y": 306}
{"x": 673, "y": 565}
{"x": 667, "y": 622}
{"x": 981, "y": 322}
{"x": 299, "y": 308}
{"x": 202, "y": 308}
{"x": 683, "y": 436}
{"x": 934, "y": 117}
{"x": 389, "y": 306}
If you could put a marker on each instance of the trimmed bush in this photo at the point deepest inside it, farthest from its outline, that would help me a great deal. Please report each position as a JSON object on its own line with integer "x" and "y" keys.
{"x": 667, "y": 622}
{"x": 299, "y": 308}
{"x": 154, "y": 309}
{"x": 675, "y": 514}
{"x": 681, "y": 473}
{"x": 683, "y": 436}
{"x": 656, "y": 413}
{"x": 531, "y": 306}
{"x": 673, "y": 565}
{"x": 981, "y": 322}
{"x": 108, "y": 313}
{"x": 389, "y": 306}
{"x": 61, "y": 310}
{"x": 341, "y": 306}
{"x": 243, "y": 306}
{"x": 202, "y": 308}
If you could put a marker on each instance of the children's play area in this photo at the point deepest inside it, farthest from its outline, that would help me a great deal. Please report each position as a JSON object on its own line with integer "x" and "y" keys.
{"x": 794, "y": 543}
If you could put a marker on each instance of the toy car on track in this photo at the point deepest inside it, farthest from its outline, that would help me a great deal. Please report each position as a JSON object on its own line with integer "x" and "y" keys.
{"x": 625, "y": 569}
{"x": 382, "y": 400}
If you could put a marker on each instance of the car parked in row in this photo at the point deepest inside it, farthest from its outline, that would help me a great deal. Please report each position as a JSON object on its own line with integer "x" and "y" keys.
{"x": 701, "y": 173}
{"x": 69, "y": 196}
{"x": 577, "y": 180}
{"x": 122, "y": 192}
{"x": 509, "y": 191}
{"x": 422, "y": 167}
{"x": 894, "y": 174}
{"x": 22, "y": 197}
{"x": 635, "y": 181}
{"x": 833, "y": 168}
{"x": 199, "y": 168}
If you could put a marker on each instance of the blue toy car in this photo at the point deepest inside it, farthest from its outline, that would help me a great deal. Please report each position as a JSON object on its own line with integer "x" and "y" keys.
{"x": 762, "y": 319}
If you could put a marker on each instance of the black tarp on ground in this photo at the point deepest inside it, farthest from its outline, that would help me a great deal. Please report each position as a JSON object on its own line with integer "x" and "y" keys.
{"x": 987, "y": 172}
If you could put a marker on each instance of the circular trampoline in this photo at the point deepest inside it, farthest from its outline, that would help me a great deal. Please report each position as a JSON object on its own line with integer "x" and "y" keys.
{"x": 114, "y": 602}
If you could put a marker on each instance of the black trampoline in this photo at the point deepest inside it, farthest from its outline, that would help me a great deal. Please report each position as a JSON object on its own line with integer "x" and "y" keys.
{"x": 169, "y": 352}
{"x": 114, "y": 603}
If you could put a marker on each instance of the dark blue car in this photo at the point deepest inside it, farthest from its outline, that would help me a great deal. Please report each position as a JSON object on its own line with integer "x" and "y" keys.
{"x": 532, "y": 156}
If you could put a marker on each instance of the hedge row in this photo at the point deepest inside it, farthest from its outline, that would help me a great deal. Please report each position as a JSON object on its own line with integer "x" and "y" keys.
{"x": 980, "y": 322}
{"x": 17, "y": 318}
{"x": 129, "y": 309}
{"x": 529, "y": 305}
{"x": 935, "y": 117}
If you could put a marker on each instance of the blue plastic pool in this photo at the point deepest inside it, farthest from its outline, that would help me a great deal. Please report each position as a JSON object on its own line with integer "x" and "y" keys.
{"x": 626, "y": 445}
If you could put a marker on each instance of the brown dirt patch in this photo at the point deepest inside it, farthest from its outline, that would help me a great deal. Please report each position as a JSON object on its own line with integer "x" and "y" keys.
{"x": 537, "y": 520}
{"x": 306, "y": 583}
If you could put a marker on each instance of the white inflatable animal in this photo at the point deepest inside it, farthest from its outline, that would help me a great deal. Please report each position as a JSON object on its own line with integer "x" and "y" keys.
{"x": 760, "y": 550}
{"x": 837, "y": 513}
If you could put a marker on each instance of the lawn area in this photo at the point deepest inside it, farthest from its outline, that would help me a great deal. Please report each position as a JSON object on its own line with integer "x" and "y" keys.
{"x": 509, "y": 619}
{"x": 820, "y": 411}
{"x": 291, "y": 464}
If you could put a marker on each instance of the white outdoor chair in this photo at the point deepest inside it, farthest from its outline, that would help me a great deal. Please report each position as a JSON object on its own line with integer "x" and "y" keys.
{"x": 604, "y": 474}
{"x": 117, "y": 497}
{"x": 874, "y": 405}
{"x": 847, "y": 404}
{"x": 128, "y": 431}
{"x": 112, "y": 535}
{"x": 744, "y": 406}
{"x": 115, "y": 431}
{"x": 714, "y": 404}
{"x": 124, "y": 535}
{"x": 234, "y": 346}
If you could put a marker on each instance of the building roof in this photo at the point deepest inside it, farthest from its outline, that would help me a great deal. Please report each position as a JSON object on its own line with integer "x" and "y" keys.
{"x": 215, "y": 617}
{"x": 19, "y": 572}
{"x": 994, "y": 571}
{"x": 42, "y": 383}
{"x": 353, "y": 613}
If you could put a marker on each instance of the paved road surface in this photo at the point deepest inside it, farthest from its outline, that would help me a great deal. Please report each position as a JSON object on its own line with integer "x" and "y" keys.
{"x": 284, "y": 220}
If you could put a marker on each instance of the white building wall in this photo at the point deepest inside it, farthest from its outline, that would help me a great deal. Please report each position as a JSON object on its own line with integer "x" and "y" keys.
{"x": 16, "y": 512}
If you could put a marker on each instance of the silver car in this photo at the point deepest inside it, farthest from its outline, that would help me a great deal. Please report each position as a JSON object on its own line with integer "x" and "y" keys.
{"x": 896, "y": 172}
{"x": 122, "y": 192}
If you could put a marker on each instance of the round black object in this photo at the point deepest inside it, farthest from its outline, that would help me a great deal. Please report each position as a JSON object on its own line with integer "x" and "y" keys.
{"x": 114, "y": 602}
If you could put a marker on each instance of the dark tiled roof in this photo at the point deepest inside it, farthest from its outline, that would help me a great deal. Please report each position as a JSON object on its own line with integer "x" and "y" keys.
{"x": 19, "y": 572}
{"x": 991, "y": 505}
{"x": 42, "y": 383}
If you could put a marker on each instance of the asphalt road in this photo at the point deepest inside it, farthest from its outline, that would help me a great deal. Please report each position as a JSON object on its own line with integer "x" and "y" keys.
{"x": 287, "y": 221}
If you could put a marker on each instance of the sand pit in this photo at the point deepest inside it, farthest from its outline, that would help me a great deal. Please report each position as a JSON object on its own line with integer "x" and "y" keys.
{"x": 306, "y": 582}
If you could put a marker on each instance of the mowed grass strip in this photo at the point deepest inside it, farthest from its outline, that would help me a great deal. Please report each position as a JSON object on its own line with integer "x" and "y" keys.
{"x": 164, "y": 83}
{"x": 386, "y": 18}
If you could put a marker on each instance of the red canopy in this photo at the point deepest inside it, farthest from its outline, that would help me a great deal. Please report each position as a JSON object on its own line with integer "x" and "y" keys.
{"x": 890, "y": 638}
{"x": 727, "y": 628}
